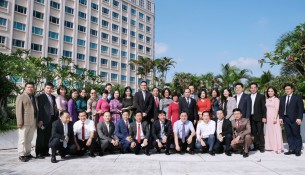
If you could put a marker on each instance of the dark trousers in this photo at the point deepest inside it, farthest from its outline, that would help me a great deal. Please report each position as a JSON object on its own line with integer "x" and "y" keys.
{"x": 42, "y": 141}
{"x": 84, "y": 147}
{"x": 218, "y": 146}
{"x": 257, "y": 131}
{"x": 125, "y": 144}
{"x": 293, "y": 134}
{"x": 138, "y": 147}
{"x": 106, "y": 144}
{"x": 185, "y": 145}
{"x": 167, "y": 144}
{"x": 57, "y": 144}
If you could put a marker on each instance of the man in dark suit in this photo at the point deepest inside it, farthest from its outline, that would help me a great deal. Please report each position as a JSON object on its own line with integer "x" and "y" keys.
{"x": 140, "y": 133}
{"x": 242, "y": 100}
{"x": 162, "y": 133}
{"x": 62, "y": 137}
{"x": 110, "y": 96}
{"x": 188, "y": 105}
{"x": 122, "y": 131}
{"x": 155, "y": 108}
{"x": 291, "y": 112}
{"x": 257, "y": 117}
{"x": 105, "y": 130}
{"x": 223, "y": 133}
{"x": 46, "y": 116}
{"x": 143, "y": 101}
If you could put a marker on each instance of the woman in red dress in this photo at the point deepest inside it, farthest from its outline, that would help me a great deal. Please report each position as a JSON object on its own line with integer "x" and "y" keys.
{"x": 204, "y": 103}
{"x": 173, "y": 109}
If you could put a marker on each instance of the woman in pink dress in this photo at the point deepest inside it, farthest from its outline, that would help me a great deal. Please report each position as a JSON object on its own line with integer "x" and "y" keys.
{"x": 273, "y": 136}
{"x": 173, "y": 109}
{"x": 102, "y": 106}
{"x": 115, "y": 107}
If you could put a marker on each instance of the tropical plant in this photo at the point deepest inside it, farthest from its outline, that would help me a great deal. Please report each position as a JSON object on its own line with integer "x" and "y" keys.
{"x": 162, "y": 66}
{"x": 144, "y": 65}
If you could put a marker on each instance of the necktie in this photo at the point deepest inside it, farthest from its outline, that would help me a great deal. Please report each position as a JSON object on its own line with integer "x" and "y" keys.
{"x": 188, "y": 102}
{"x": 126, "y": 124}
{"x": 139, "y": 133}
{"x": 162, "y": 129}
{"x": 51, "y": 104}
{"x": 157, "y": 102}
{"x": 143, "y": 92}
{"x": 34, "y": 105}
{"x": 238, "y": 124}
{"x": 286, "y": 107}
{"x": 65, "y": 133}
{"x": 83, "y": 132}
{"x": 183, "y": 133}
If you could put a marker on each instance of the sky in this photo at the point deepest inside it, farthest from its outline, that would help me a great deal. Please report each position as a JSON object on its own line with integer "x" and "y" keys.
{"x": 200, "y": 35}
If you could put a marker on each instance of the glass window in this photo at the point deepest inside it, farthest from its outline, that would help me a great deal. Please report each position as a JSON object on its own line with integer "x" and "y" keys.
{"x": 3, "y": 4}
{"x": 69, "y": 24}
{"x": 19, "y": 26}
{"x": 92, "y": 59}
{"x": 2, "y": 39}
{"x": 114, "y": 76}
{"x": 123, "y": 65}
{"x": 148, "y": 29}
{"x": 105, "y": 23}
{"x": 115, "y": 39}
{"x": 52, "y": 50}
{"x": 148, "y": 49}
{"x": 36, "y": 47}
{"x": 140, "y": 47}
{"x": 55, "y": 5}
{"x": 114, "y": 51}
{"x": 133, "y": 22}
{"x": 3, "y": 21}
{"x": 148, "y": 18}
{"x": 141, "y": 37}
{"x": 124, "y": 42}
{"x": 79, "y": 71}
{"x": 68, "y": 39}
{"x": 81, "y": 42}
{"x": 124, "y": 7}
{"x": 40, "y": 1}
{"x": 104, "y": 49}
{"x": 114, "y": 64}
{"x": 133, "y": 11}
{"x": 124, "y": 19}
{"x": 93, "y": 32}
{"x": 82, "y": 15}
{"x": 37, "y": 31}
{"x": 132, "y": 67}
{"x": 54, "y": 20}
{"x": 105, "y": 10}
{"x": 132, "y": 79}
{"x": 20, "y": 9}
{"x": 94, "y": 6}
{"x": 148, "y": 5}
{"x": 133, "y": 33}
{"x": 132, "y": 44}
{"x": 124, "y": 30}
{"x": 37, "y": 14}
{"x": 132, "y": 56}
{"x": 93, "y": 72}
{"x": 104, "y": 61}
{"x": 124, "y": 54}
{"x": 81, "y": 28}
{"x": 115, "y": 15}
{"x": 148, "y": 39}
{"x": 104, "y": 74}
{"x": 123, "y": 77}
{"x": 83, "y": 2}
{"x": 93, "y": 45}
{"x": 141, "y": 3}
{"x": 53, "y": 35}
{"x": 141, "y": 15}
{"x": 80, "y": 56}
{"x": 105, "y": 36}
{"x": 115, "y": 3}
{"x": 94, "y": 19}
{"x": 141, "y": 26}
{"x": 69, "y": 10}
{"x": 67, "y": 53}
{"x": 115, "y": 27}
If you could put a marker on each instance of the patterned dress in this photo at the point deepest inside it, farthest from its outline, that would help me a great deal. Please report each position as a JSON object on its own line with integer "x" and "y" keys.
{"x": 91, "y": 108}
{"x": 115, "y": 109}
{"x": 102, "y": 105}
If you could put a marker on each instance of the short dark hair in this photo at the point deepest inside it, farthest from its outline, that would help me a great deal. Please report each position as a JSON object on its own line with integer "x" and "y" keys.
{"x": 187, "y": 89}
{"x": 161, "y": 112}
{"x": 155, "y": 88}
{"x": 29, "y": 83}
{"x": 126, "y": 88}
{"x": 125, "y": 110}
{"x": 288, "y": 84}
{"x": 143, "y": 81}
{"x": 175, "y": 94}
{"x": 205, "y": 112}
{"x": 191, "y": 85}
{"x": 240, "y": 84}
{"x": 183, "y": 112}
{"x": 82, "y": 111}
{"x": 203, "y": 90}
{"x": 105, "y": 92}
{"x": 108, "y": 84}
{"x": 61, "y": 87}
{"x": 138, "y": 112}
{"x": 166, "y": 89}
{"x": 49, "y": 84}
{"x": 219, "y": 110}
{"x": 253, "y": 83}
{"x": 236, "y": 109}
{"x": 273, "y": 88}
{"x": 62, "y": 113}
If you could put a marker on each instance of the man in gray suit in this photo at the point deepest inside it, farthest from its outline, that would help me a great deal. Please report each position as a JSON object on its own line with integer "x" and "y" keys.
{"x": 105, "y": 130}
{"x": 193, "y": 93}
{"x": 26, "y": 114}
{"x": 140, "y": 134}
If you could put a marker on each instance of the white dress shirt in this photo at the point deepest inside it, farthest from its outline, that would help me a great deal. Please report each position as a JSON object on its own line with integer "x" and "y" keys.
{"x": 142, "y": 134}
{"x": 205, "y": 129}
{"x": 253, "y": 96}
{"x": 89, "y": 127}
{"x": 238, "y": 98}
{"x": 219, "y": 126}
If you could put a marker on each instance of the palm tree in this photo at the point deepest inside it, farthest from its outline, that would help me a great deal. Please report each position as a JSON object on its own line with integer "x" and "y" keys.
{"x": 162, "y": 66}
{"x": 144, "y": 66}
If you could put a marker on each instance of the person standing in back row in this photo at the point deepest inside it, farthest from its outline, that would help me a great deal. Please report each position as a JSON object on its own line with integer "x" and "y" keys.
{"x": 242, "y": 101}
{"x": 188, "y": 105}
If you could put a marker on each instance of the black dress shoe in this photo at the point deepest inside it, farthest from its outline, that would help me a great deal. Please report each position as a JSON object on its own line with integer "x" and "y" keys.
{"x": 91, "y": 154}
{"x": 262, "y": 150}
{"x": 191, "y": 152}
{"x": 298, "y": 154}
{"x": 39, "y": 156}
{"x": 101, "y": 154}
{"x": 30, "y": 156}
{"x": 147, "y": 153}
{"x": 167, "y": 152}
{"x": 23, "y": 159}
{"x": 212, "y": 153}
{"x": 204, "y": 149}
{"x": 63, "y": 157}
{"x": 158, "y": 151}
{"x": 46, "y": 155}
{"x": 228, "y": 153}
{"x": 289, "y": 153}
{"x": 111, "y": 152}
{"x": 53, "y": 160}
{"x": 246, "y": 155}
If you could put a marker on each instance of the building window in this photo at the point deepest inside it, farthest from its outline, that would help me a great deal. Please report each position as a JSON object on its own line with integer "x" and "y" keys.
{"x": 141, "y": 37}
{"x": 69, "y": 24}
{"x": 93, "y": 32}
{"x": 104, "y": 75}
{"x": 93, "y": 72}
{"x": 114, "y": 76}
{"x": 133, "y": 11}
{"x": 148, "y": 49}
{"x": 67, "y": 53}
{"x": 105, "y": 23}
{"x": 104, "y": 62}
{"x": 92, "y": 59}
{"x": 141, "y": 15}
{"x": 114, "y": 64}
{"x": 3, "y": 4}
{"x": 105, "y": 10}
{"x": 94, "y": 19}
{"x": 114, "y": 51}
{"x": 134, "y": 1}
{"x": 132, "y": 56}
{"x": 149, "y": 5}
{"x": 107, "y": 1}
{"x": 132, "y": 33}
{"x": 53, "y": 35}
{"x": 124, "y": 19}
{"x": 36, "y": 47}
{"x": 141, "y": 47}
{"x": 52, "y": 50}
{"x": 141, "y": 26}
{"x": 20, "y": 9}
{"x": 123, "y": 54}
{"x": 115, "y": 15}
{"x": 132, "y": 67}
{"x": 55, "y": 5}
{"x": 133, "y": 22}
{"x": 2, "y": 39}
{"x": 148, "y": 39}
{"x": 54, "y": 20}
{"x": 124, "y": 42}
{"x": 69, "y": 10}
{"x": 3, "y": 21}
{"x": 123, "y": 65}
{"x": 82, "y": 15}
{"x": 40, "y": 1}
{"x": 104, "y": 49}
{"x": 79, "y": 71}
{"x": 81, "y": 28}
{"x": 19, "y": 26}
{"x": 115, "y": 39}
{"x": 93, "y": 46}
{"x": 68, "y": 39}
{"x": 38, "y": 15}
{"x": 105, "y": 36}
{"x": 94, "y": 6}
{"x": 141, "y": 3}
{"x": 148, "y": 18}
{"x": 148, "y": 29}
{"x": 83, "y": 2}
{"x": 80, "y": 56}
{"x": 123, "y": 77}
{"x": 132, "y": 44}
{"x": 124, "y": 30}
{"x": 115, "y": 27}
{"x": 37, "y": 31}
{"x": 81, "y": 42}
{"x": 116, "y": 3}
{"x": 132, "y": 79}
{"x": 124, "y": 7}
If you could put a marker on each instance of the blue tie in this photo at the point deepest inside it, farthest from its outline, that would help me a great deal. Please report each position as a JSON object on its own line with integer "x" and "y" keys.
{"x": 183, "y": 133}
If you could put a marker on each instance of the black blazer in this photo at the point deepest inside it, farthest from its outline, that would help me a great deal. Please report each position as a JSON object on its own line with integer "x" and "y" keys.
{"x": 103, "y": 131}
{"x": 244, "y": 105}
{"x": 44, "y": 108}
{"x": 133, "y": 130}
{"x": 191, "y": 110}
{"x": 156, "y": 129}
{"x": 295, "y": 107}
{"x": 58, "y": 132}
{"x": 226, "y": 127}
{"x": 259, "y": 107}
{"x": 144, "y": 106}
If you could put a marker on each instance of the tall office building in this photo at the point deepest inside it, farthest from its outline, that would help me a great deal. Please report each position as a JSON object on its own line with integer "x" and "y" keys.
{"x": 100, "y": 35}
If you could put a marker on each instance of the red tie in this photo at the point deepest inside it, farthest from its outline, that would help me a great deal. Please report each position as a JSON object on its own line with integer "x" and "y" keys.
{"x": 126, "y": 124}
{"x": 157, "y": 103}
{"x": 83, "y": 132}
{"x": 139, "y": 133}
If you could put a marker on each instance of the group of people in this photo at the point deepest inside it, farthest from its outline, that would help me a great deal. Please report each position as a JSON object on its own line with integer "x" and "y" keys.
{"x": 217, "y": 124}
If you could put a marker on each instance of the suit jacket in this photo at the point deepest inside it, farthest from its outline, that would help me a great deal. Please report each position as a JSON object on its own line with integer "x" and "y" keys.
{"x": 58, "y": 132}
{"x": 196, "y": 98}
{"x": 295, "y": 107}
{"x": 191, "y": 110}
{"x": 44, "y": 108}
{"x": 103, "y": 131}
{"x": 25, "y": 112}
{"x": 243, "y": 130}
{"x": 156, "y": 129}
{"x": 144, "y": 105}
{"x": 133, "y": 130}
{"x": 155, "y": 108}
{"x": 244, "y": 105}
{"x": 121, "y": 131}
{"x": 226, "y": 127}
{"x": 259, "y": 110}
